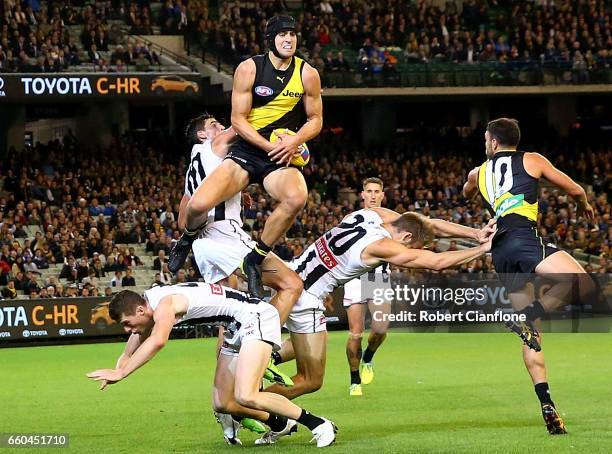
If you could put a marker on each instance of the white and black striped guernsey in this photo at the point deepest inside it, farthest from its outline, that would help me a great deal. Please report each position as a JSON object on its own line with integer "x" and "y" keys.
{"x": 208, "y": 303}
{"x": 335, "y": 257}
{"x": 203, "y": 162}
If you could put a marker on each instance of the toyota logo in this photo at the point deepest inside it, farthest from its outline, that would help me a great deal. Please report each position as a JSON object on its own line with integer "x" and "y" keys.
{"x": 1, "y": 83}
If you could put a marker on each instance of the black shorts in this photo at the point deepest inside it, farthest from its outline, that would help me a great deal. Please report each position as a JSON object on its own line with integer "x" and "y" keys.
{"x": 516, "y": 252}
{"x": 252, "y": 159}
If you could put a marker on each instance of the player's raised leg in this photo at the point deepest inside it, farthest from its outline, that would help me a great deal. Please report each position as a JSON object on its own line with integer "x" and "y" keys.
{"x": 288, "y": 187}
{"x": 310, "y": 355}
{"x": 225, "y": 181}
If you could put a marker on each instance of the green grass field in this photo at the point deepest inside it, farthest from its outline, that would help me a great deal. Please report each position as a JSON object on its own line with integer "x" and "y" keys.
{"x": 432, "y": 393}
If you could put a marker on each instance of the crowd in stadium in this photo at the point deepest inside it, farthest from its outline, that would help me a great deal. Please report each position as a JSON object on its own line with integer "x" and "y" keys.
{"x": 87, "y": 210}
{"x": 574, "y": 34}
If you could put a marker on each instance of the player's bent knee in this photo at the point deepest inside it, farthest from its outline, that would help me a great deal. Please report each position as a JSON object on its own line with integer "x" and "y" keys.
{"x": 196, "y": 206}
{"x": 246, "y": 399}
{"x": 295, "y": 201}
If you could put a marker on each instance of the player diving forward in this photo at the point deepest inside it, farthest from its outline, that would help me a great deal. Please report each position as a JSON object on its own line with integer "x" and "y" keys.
{"x": 363, "y": 241}
{"x": 243, "y": 358}
{"x": 508, "y": 182}
{"x": 271, "y": 91}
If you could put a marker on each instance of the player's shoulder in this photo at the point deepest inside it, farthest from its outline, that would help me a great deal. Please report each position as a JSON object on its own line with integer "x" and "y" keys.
{"x": 247, "y": 66}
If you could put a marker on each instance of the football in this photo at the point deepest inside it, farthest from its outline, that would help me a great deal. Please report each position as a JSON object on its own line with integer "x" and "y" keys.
{"x": 299, "y": 160}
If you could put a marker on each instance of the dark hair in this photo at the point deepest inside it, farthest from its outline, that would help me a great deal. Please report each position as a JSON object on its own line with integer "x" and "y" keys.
{"x": 416, "y": 224}
{"x": 124, "y": 303}
{"x": 196, "y": 124}
{"x": 505, "y": 130}
{"x": 375, "y": 180}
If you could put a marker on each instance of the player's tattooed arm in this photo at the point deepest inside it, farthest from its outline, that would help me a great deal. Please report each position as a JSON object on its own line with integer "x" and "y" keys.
{"x": 538, "y": 166}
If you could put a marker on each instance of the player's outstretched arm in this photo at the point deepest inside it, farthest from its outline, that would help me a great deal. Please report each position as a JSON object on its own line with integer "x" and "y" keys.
{"x": 287, "y": 147}
{"x": 470, "y": 188}
{"x": 164, "y": 317}
{"x": 242, "y": 101}
{"x": 387, "y": 250}
{"x": 538, "y": 166}
{"x": 131, "y": 345}
{"x": 443, "y": 228}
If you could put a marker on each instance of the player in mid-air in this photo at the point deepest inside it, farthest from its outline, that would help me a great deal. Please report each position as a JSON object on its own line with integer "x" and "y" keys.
{"x": 271, "y": 91}
{"x": 508, "y": 182}
{"x": 363, "y": 241}
{"x": 223, "y": 243}
{"x": 360, "y": 363}
{"x": 253, "y": 332}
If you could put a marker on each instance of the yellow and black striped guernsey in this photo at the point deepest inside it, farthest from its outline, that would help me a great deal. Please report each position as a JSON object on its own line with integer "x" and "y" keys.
{"x": 277, "y": 96}
{"x": 510, "y": 191}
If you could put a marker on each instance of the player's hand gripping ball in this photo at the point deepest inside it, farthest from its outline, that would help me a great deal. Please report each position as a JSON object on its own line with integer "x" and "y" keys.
{"x": 299, "y": 160}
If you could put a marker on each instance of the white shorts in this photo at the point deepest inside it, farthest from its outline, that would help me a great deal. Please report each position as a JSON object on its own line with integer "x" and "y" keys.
{"x": 307, "y": 315}
{"x": 220, "y": 250}
{"x": 352, "y": 293}
{"x": 263, "y": 324}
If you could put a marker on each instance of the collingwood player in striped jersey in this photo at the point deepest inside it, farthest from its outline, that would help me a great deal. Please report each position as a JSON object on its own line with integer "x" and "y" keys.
{"x": 508, "y": 182}
{"x": 361, "y": 242}
{"x": 243, "y": 358}
{"x": 222, "y": 244}
{"x": 372, "y": 196}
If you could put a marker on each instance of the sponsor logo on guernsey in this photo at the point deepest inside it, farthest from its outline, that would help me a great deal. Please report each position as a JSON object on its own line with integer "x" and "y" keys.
{"x": 325, "y": 255}
{"x": 216, "y": 289}
{"x": 292, "y": 94}
{"x": 509, "y": 203}
{"x": 262, "y": 90}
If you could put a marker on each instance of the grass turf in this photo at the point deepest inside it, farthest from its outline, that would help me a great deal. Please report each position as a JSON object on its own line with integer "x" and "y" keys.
{"x": 431, "y": 393}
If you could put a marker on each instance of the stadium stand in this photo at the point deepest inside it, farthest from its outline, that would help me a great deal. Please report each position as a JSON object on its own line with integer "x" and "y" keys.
{"x": 73, "y": 226}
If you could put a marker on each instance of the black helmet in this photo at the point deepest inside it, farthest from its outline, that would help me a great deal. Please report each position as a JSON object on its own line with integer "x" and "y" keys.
{"x": 276, "y": 25}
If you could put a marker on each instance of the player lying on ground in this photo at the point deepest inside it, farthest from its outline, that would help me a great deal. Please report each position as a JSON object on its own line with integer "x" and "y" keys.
{"x": 508, "y": 182}
{"x": 253, "y": 332}
{"x": 271, "y": 91}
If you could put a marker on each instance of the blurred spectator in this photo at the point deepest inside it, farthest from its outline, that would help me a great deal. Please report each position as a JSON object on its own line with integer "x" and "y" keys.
{"x": 128, "y": 280}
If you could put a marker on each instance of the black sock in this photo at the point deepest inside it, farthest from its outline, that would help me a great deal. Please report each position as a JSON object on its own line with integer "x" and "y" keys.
{"x": 534, "y": 311}
{"x": 543, "y": 393}
{"x": 276, "y": 358}
{"x": 276, "y": 423}
{"x": 308, "y": 420}
{"x": 258, "y": 253}
{"x": 368, "y": 355}
{"x": 355, "y": 378}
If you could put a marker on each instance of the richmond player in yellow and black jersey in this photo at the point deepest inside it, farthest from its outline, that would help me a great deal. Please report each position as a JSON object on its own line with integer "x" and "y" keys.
{"x": 508, "y": 182}
{"x": 271, "y": 91}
